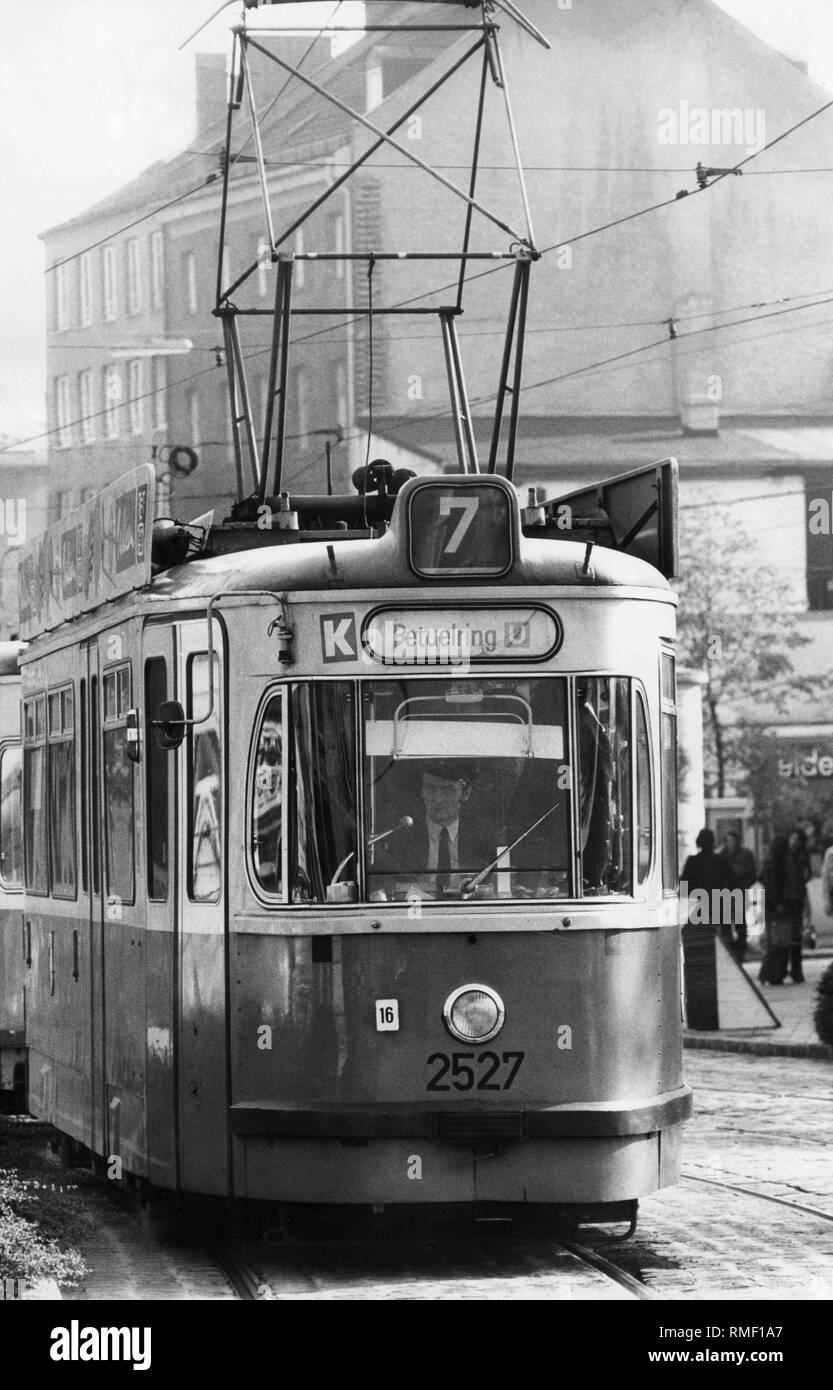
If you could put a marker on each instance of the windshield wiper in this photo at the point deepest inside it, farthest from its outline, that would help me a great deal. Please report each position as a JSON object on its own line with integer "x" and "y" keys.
{"x": 472, "y": 884}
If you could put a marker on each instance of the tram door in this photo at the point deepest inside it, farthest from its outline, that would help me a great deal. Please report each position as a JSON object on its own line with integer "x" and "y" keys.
{"x": 157, "y": 683}
{"x": 201, "y": 843}
{"x": 92, "y": 883}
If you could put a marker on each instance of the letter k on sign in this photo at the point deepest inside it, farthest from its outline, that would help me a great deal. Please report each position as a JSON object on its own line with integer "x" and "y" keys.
{"x": 338, "y": 637}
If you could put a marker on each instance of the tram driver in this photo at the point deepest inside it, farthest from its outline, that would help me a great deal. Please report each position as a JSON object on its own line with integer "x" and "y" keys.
{"x": 441, "y": 846}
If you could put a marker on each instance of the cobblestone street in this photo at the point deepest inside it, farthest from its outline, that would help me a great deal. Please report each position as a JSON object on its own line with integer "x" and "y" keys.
{"x": 761, "y": 1123}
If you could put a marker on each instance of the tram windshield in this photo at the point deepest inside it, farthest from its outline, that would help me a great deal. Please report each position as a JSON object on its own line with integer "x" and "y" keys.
{"x": 467, "y": 789}
{"x": 419, "y": 788}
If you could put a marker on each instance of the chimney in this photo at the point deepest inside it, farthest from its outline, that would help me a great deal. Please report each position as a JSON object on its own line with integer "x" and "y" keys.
{"x": 211, "y": 90}
{"x": 797, "y": 60}
{"x": 699, "y": 415}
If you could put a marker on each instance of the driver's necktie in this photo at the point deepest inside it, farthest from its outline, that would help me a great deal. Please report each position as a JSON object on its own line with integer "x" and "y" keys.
{"x": 443, "y": 861}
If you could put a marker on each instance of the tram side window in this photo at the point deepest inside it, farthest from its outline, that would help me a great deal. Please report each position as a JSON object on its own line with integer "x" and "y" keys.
{"x": 11, "y": 841}
{"x": 267, "y": 837}
{"x": 668, "y": 772}
{"x": 61, "y": 745}
{"x": 118, "y": 785}
{"x": 205, "y": 862}
{"x": 35, "y": 852}
{"x": 324, "y": 767}
{"x": 604, "y": 746}
{"x": 644, "y": 798}
{"x": 157, "y": 763}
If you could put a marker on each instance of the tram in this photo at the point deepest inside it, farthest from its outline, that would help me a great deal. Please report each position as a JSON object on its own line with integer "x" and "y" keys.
{"x": 12, "y": 1012}
{"x": 350, "y": 820}
{"x": 245, "y": 973}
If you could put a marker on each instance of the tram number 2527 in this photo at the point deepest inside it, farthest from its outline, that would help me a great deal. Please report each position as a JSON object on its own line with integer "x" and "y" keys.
{"x": 457, "y": 1071}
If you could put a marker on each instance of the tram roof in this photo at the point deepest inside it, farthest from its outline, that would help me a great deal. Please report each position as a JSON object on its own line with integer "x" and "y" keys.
{"x": 379, "y": 564}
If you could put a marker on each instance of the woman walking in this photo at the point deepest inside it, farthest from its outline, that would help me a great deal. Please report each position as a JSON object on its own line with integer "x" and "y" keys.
{"x": 785, "y": 875}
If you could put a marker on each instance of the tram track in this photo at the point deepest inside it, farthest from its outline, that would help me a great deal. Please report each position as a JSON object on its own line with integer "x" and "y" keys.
{"x": 520, "y": 1258}
{"x": 762, "y": 1196}
{"x": 594, "y": 1260}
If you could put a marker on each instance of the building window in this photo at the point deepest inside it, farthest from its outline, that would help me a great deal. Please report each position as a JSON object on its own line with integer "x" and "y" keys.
{"x": 135, "y": 395}
{"x": 339, "y": 243}
{"x": 191, "y": 282}
{"x": 111, "y": 385}
{"x": 134, "y": 276}
{"x": 62, "y": 793}
{"x": 11, "y": 843}
{"x": 34, "y": 795}
{"x": 301, "y": 394}
{"x": 63, "y": 397}
{"x": 86, "y": 393}
{"x": 86, "y": 289}
{"x": 819, "y": 543}
{"x": 62, "y": 291}
{"x": 262, "y": 390}
{"x": 160, "y": 387}
{"x": 264, "y": 265}
{"x": 342, "y": 399}
{"x": 300, "y": 266}
{"x": 111, "y": 306}
{"x": 118, "y": 785}
{"x": 157, "y": 270}
{"x": 192, "y": 402}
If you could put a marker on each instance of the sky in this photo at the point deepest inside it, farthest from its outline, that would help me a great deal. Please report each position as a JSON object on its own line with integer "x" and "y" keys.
{"x": 95, "y": 90}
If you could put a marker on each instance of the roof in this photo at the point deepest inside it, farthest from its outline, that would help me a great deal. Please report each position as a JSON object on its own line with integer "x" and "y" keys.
{"x": 572, "y": 449}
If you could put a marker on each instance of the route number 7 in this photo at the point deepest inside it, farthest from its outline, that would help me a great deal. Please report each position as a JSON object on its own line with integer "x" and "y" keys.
{"x": 468, "y": 506}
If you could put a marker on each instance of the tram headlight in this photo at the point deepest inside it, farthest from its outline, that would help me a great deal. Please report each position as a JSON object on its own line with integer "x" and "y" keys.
{"x": 474, "y": 1013}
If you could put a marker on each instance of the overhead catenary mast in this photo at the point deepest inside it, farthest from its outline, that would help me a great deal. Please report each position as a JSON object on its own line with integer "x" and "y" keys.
{"x": 260, "y": 444}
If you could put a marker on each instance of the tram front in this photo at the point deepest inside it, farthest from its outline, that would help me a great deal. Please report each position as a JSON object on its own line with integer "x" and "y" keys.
{"x": 456, "y": 964}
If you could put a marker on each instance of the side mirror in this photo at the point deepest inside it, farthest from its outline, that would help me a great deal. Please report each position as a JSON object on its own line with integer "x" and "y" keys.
{"x": 169, "y": 725}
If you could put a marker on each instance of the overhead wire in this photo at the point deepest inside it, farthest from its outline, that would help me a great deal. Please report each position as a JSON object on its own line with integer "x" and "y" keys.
{"x": 422, "y": 418}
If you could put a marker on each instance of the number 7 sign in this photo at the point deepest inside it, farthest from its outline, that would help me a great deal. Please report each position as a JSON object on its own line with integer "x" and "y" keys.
{"x": 461, "y": 528}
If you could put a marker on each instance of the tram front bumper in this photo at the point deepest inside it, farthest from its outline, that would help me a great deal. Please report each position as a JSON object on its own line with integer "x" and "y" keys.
{"x": 599, "y": 1119}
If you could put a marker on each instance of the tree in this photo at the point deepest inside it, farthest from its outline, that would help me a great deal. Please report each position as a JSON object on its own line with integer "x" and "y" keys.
{"x": 736, "y": 626}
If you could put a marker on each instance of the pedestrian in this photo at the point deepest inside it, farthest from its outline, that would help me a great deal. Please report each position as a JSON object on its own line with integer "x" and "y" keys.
{"x": 705, "y": 879}
{"x": 743, "y": 871}
{"x": 827, "y": 880}
{"x": 797, "y": 874}
{"x": 776, "y": 939}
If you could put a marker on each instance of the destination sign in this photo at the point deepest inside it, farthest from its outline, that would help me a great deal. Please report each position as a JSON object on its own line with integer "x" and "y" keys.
{"x": 458, "y": 637}
{"x": 99, "y": 551}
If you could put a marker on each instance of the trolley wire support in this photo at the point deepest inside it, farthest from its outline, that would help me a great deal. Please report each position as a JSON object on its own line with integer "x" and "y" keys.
{"x": 354, "y": 115}
{"x": 278, "y": 375}
{"x": 460, "y": 408}
{"x": 241, "y": 405}
{"x": 514, "y": 342}
{"x": 265, "y": 447}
